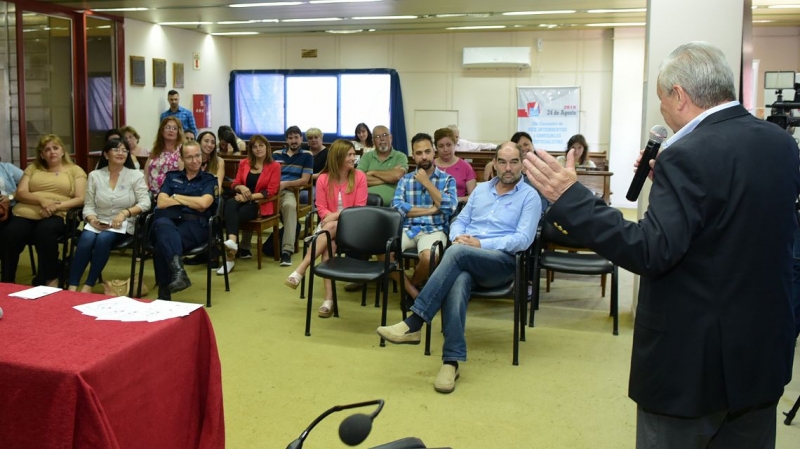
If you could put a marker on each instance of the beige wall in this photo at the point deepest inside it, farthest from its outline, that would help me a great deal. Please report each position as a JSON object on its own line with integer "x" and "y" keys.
{"x": 484, "y": 100}
{"x": 146, "y": 103}
{"x": 432, "y": 78}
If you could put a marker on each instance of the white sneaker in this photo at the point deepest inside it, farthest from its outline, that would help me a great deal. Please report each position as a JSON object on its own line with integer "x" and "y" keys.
{"x": 231, "y": 245}
{"x": 221, "y": 270}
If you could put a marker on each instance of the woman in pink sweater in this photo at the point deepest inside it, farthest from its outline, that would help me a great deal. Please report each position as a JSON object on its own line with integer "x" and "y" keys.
{"x": 339, "y": 186}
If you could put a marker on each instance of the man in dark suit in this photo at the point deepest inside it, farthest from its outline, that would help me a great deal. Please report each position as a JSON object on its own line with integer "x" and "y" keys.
{"x": 713, "y": 338}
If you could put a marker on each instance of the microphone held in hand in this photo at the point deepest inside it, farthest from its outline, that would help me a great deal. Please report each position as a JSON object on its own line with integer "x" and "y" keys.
{"x": 657, "y": 135}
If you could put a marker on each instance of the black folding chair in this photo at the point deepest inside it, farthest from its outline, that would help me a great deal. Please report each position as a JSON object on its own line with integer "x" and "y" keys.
{"x": 570, "y": 262}
{"x": 365, "y": 230}
{"x": 215, "y": 242}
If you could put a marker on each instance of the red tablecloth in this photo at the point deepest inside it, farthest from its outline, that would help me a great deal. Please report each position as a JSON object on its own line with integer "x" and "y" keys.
{"x": 69, "y": 381}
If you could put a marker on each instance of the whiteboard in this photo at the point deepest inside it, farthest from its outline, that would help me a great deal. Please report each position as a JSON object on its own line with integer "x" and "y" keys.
{"x": 429, "y": 120}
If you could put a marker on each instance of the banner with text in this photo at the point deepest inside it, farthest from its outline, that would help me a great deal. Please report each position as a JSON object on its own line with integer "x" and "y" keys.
{"x": 549, "y": 115}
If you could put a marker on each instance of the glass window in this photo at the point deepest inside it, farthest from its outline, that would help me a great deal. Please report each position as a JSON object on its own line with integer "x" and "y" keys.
{"x": 335, "y": 102}
{"x": 259, "y": 102}
{"x": 365, "y": 98}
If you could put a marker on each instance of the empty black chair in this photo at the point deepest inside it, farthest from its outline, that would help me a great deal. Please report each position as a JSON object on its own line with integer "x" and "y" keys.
{"x": 364, "y": 230}
{"x": 571, "y": 262}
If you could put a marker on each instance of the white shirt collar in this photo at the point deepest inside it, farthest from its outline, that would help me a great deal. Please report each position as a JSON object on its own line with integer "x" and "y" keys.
{"x": 696, "y": 121}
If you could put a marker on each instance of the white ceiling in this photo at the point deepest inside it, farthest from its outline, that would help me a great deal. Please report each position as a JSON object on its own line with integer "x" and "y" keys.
{"x": 469, "y": 13}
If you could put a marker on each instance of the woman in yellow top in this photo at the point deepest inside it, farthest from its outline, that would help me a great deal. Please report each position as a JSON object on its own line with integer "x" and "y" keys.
{"x": 49, "y": 187}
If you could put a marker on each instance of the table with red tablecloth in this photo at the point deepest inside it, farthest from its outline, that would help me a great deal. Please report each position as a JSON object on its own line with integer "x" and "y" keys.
{"x": 70, "y": 381}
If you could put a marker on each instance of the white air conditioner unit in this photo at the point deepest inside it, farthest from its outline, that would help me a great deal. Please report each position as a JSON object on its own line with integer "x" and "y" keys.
{"x": 497, "y": 57}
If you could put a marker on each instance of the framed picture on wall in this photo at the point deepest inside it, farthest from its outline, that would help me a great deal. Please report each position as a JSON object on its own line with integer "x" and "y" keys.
{"x": 159, "y": 72}
{"x": 137, "y": 71}
{"x": 177, "y": 75}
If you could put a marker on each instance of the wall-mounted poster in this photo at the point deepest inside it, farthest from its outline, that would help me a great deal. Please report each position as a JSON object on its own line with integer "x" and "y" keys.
{"x": 137, "y": 71}
{"x": 177, "y": 75}
{"x": 159, "y": 72}
{"x": 551, "y": 115}
{"x": 201, "y": 108}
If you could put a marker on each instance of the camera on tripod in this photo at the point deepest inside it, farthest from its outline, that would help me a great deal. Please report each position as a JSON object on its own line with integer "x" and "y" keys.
{"x": 781, "y": 111}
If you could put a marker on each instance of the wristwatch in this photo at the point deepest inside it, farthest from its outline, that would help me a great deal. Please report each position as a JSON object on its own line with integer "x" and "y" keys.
{"x": 173, "y": 196}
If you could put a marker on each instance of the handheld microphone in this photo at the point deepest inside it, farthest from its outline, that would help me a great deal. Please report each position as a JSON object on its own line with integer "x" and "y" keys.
{"x": 657, "y": 135}
{"x": 353, "y": 430}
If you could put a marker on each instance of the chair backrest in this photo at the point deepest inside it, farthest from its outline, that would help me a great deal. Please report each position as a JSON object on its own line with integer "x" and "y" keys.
{"x": 552, "y": 235}
{"x": 366, "y": 229}
{"x": 373, "y": 199}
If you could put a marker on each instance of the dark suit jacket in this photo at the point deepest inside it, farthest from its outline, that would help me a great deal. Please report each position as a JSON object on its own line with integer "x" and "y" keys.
{"x": 713, "y": 326}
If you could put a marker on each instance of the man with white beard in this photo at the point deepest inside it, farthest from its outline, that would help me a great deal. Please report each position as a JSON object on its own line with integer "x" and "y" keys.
{"x": 384, "y": 166}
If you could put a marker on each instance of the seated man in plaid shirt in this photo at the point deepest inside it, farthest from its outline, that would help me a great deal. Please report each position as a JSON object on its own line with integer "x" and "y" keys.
{"x": 427, "y": 198}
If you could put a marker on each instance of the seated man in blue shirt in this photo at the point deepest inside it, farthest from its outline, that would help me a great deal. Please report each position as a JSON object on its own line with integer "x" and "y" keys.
{"x": 186, "y": 201}
{"x": 499, "y": 219}
{"x": 427, "y": 198}
{"x": 296, "y": 170}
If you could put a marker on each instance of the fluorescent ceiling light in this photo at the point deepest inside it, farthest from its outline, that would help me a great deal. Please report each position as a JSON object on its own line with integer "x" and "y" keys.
{"x": 533, "y": 13}
{"x": 255, "y": 5}
{"x": 185, "y": 23}
{"x": 240, "y": 22}
{"x": 444, "y": 16}
{"x": 784, "y": 7}
{"x": 313, "y": 2}
{"x": 118, "y": 9}
{"x": 603, "y": 11}
{"x": 386, "y": 18}
{"x": 763, "y": 21}
{"x": 620, "y": 24}
{"x": 343, "y": 31}
{"x": 321, "y": 19}
{"x": 477, "y": 27}
{"x": 235, "y": 33}
{"x": 480, "y": 15}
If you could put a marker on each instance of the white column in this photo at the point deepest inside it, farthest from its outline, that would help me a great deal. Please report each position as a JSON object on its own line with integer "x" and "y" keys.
{"x": 670, "y": 23}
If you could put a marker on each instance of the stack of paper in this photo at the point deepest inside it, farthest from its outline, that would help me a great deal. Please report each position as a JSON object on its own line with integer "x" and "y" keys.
{"x": 36, "y": 292}
{"x": 126, "y": 309}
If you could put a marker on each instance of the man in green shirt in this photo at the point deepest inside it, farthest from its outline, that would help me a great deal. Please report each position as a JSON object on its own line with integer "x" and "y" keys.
{"x": 384, "y": 166}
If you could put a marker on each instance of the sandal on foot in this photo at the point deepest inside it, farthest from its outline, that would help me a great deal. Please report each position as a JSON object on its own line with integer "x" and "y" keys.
{"x": 293, "y": 280}
{"x": 326, "y": 309}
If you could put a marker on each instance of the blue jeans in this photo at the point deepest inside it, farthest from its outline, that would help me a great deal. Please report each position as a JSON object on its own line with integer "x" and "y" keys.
{"x": 94, "y": 247}
{"x": 462, "y": 268}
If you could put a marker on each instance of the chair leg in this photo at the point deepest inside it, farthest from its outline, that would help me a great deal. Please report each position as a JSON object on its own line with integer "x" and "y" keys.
{"x": 33, "y": 261}
{"x": 259, "y": 242}
{"x": 303, "y": 281}
{"x": 549, "y": 274}
{"x": 276, "y": 244}
{"x": 427, "y": 339}
{"x": 335, "y": 299}
{"x": 310, "y": 296}
{"x": 364, "y": 294}
{"x": 385, "y": 289}
{"x": 615, "y": 299}
{"x": 603, "y": 285}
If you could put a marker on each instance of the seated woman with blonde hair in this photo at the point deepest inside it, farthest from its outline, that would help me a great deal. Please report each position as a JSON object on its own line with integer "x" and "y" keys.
{"x": 339, "y": 186}
{"x": 50, "y": 186}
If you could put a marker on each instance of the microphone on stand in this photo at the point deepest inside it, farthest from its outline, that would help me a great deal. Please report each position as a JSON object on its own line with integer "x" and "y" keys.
{"x": 657, "y": 135}
{"x": 353, "y": 430}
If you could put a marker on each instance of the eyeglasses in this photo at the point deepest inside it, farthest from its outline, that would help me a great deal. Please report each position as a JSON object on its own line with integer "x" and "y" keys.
{"x": 193, "y": 156}
{"x": 381, "y": 136}
{"x": 171, "y": 128}
{"x": 119, "y": 150}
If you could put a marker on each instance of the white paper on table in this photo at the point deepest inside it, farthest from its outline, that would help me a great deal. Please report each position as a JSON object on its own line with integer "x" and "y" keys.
{"x": 127, "y": 309}
{"x": 121, "y": 230}
{"x": 36, "y": 292}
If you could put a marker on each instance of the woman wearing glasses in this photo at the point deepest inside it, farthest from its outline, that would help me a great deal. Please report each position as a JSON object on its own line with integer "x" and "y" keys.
{"x": 166, "y": 154}
{"x": 115, "y": 195}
